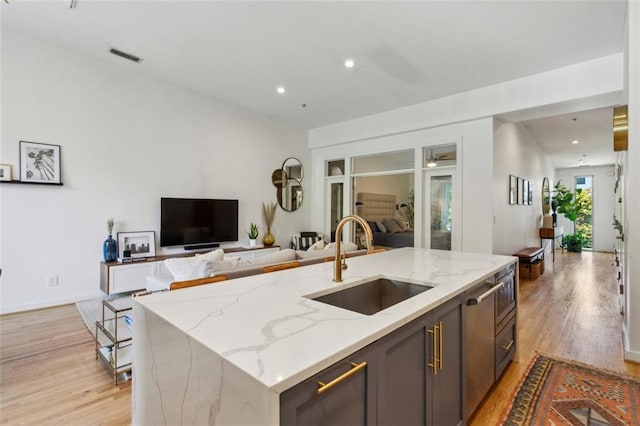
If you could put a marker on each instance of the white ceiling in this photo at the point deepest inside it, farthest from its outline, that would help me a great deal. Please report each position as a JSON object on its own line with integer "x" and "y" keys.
{"x": 406, "y": 52}
{"x": 592, "y": 129}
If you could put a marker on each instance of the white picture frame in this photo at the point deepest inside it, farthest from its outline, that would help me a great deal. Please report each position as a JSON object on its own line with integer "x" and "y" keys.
{"x": 6, "y": 172}
{"x": 40, "y": 162}
{"x": 140, "y": 244}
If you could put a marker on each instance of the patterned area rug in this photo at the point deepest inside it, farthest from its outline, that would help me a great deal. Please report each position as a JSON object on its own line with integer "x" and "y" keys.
{"x": 556, "y": 392}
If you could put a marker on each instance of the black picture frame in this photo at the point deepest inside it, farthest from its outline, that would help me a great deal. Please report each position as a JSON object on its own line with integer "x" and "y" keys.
{"x": 513, "y": 190}
{"x": 40, "y": 163}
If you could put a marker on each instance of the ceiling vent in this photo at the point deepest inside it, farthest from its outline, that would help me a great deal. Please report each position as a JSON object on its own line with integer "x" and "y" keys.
{"x": 126, "y": 55}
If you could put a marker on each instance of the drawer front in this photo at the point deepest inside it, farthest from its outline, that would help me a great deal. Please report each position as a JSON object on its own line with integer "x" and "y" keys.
{"x": 129, "y": 277}
{"x": 505, "y": 347}
{"x": 352, "y": 401}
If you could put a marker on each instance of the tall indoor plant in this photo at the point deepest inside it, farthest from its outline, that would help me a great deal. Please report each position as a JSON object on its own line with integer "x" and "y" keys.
{"x": 570, "y": 206}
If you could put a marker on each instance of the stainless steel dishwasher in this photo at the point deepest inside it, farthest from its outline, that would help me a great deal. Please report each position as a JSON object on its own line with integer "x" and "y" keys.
{"x": 480, "y": 322}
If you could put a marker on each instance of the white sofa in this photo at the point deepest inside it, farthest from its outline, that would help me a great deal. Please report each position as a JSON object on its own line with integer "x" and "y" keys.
{"x": 233, "y": 267}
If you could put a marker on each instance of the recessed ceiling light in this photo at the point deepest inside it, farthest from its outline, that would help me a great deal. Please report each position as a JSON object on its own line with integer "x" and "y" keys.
{"x": 280, "y": 90}
{"x": 575, "y": 142}
{"x": 349, "y": 63}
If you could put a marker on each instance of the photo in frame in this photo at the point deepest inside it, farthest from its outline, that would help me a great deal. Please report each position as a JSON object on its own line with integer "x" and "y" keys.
{"x": 39, "y": 162}
{"x": 519, "y": 186}
{"x": 513, "y": 189}
{"x": 5, "y": 172}
{"x": 525, "y": 192}
{"x": 139, "y": 244}
{"x": 530, "y": 194}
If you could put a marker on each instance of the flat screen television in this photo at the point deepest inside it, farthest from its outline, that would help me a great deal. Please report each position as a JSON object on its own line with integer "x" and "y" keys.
{"x": 197, "y": 222}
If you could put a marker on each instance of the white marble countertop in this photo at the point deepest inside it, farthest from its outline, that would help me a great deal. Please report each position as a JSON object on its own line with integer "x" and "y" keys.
{"x": 266, "y": 326}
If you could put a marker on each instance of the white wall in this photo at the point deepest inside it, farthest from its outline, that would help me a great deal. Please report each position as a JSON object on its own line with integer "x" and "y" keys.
{"x": 632, "y": 177}
{"x": 603, "y": 203}
{"x": 516, "y": 153}
{"x": 126, "y": 140}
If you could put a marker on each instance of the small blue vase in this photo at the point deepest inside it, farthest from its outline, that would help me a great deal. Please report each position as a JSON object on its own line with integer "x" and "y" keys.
{"x": 109, "y": 249}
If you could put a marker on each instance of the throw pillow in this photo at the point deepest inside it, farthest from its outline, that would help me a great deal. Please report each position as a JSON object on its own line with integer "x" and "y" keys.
{"x": 372, "y": 225}
{"x": 318, "y": 245}
{"x": 391, "y": 225}
{"x": 403, "y": 224}
{"x": 198, "y": 266}
{"x": 345, "y": 247}
{"x": 285, "y": 255}
{"x": 381, "y": 226}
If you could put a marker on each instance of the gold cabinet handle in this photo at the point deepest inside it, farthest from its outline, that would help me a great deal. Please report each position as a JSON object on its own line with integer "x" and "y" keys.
{"x": 508, "y": 346}
{"x": 323, "y": 387}
{"x": 441, "y": 356}
{"x": 432, "y": 331}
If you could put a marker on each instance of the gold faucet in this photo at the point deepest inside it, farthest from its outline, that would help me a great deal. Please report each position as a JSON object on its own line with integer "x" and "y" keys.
{"x": 337, "y": 267}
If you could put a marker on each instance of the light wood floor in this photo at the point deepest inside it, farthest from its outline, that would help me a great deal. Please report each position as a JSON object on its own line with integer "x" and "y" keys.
{"x": 49, "y": 375}
{"x": 571, "y": 312}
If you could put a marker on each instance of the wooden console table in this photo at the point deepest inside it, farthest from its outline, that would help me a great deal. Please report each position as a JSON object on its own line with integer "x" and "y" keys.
{"x": 552, "y": 234}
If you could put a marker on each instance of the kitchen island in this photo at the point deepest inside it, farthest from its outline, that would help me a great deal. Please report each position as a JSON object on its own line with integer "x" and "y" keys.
{"x": 224, "y": 353}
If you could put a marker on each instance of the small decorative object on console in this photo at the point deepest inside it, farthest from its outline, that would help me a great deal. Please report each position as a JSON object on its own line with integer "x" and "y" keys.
{"x": 140, "y": 244}
{"x": 253, "y": 234}
{"x": 269, "y": 213}
{"x": 109, "y": 249}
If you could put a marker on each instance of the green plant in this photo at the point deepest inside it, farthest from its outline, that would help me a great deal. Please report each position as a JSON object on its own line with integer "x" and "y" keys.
{"x": 574, "y": 242}
{"x": 410, "y": 208}
{"x": 575, "y": 207}
{"x": 253, "y": 231}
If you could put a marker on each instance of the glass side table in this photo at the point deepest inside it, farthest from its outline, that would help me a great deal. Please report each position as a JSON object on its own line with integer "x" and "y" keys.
{"x": 116, "y": 326}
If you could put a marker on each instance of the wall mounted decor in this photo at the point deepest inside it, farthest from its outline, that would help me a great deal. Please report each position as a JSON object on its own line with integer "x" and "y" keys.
{"x": 525, "y": 192}
{"x": 519, "y": 187}
{"x": 140, "y": 244}
{"x": 5, "y": 172}
{"x": 288, "y": 183}
{"x": 39, "y": 162}
{"x": 513, "y": 189}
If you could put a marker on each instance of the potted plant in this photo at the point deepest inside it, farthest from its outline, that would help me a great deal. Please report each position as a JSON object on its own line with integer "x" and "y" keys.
{"x": 570, "y": 206}
{"x": 253, "y": 234}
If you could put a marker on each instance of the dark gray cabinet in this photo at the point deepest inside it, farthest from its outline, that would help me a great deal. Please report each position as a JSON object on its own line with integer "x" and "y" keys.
{"x": 446, "y": 389}
{"x": 413, "y": 376}
{"x": 402, "y": 379}
{"x": 343, "y": 394}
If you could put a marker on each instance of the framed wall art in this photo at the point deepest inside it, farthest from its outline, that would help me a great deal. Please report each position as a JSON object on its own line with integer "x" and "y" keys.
{"x": 137, "y": 244}
{"x": 513, "y": 189}
{"x": 39, "y": 162}
{"x": 5, "y": 172}
{"x": 525, "y": 192}
{"x": 519, "y": 186}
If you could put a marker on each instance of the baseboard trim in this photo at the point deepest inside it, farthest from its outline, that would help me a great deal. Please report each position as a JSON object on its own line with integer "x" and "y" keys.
{"x": 632, "y": 356}
{"x": 10, "y": 309}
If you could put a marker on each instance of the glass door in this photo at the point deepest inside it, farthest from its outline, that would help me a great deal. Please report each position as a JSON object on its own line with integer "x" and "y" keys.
{"x": 440, "y": 211}
{"x": 441, "y": 198}
{"x": 584, "y": 196}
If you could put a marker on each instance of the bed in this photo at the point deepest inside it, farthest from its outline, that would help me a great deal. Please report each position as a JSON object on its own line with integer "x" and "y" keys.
{"x": 381, "y": 208}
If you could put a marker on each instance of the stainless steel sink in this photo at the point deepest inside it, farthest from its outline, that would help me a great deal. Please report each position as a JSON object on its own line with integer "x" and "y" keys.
{"x": 373, "y": 296}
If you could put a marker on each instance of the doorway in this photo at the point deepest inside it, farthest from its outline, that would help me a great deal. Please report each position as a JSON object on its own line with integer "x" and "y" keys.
{"x": 584, "y": 197}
